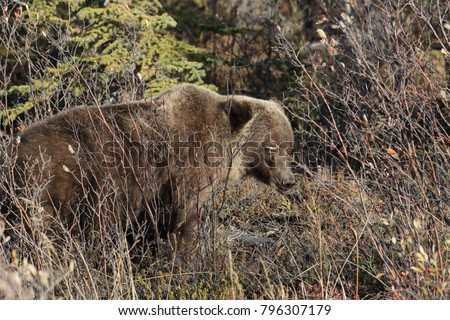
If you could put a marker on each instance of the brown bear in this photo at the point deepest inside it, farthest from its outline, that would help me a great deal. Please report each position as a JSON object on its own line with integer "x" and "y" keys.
{"x": 149, "y": 165}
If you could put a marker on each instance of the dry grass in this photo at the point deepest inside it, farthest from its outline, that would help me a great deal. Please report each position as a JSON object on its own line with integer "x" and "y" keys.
{"x": 328, "y": 240}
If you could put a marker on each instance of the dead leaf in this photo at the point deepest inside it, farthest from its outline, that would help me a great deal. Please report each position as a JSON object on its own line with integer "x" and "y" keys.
{"x": 391, "y": 152}
{"x": 322, "y": 35}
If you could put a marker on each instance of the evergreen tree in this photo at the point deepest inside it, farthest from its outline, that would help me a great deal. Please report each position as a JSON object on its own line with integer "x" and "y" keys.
{"x": 58, "y": 53}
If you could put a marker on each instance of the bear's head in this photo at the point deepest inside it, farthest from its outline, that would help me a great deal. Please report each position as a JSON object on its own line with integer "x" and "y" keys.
{"x": 265, "y": 140}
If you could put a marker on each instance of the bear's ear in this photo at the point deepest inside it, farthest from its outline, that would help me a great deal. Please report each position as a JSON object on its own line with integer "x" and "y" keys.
{"x": 279, "y": 104}
{"x": 239, "y": 113}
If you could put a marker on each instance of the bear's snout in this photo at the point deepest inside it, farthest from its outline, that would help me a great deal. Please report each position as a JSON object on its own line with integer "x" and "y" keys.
{"x": 286, "y": 181}
{"x": 288, "y": 184}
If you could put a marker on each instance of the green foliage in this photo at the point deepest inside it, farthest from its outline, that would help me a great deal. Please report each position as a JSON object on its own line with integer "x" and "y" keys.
{"x": 83, "y": 52}
{"x": 204, "y": 21}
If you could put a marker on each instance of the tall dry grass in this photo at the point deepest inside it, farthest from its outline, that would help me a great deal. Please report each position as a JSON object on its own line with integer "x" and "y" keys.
{"x": 373, "y": 104}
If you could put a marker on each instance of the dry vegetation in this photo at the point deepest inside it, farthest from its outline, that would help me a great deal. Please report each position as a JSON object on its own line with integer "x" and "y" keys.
{"x": 370, "y": 219}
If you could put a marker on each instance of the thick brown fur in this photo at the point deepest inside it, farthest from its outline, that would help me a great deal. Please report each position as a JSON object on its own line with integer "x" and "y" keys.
{"x": 150, "y": 164}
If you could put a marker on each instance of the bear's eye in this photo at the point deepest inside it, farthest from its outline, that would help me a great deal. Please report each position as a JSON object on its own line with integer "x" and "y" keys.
{"x": 270, "y": 148}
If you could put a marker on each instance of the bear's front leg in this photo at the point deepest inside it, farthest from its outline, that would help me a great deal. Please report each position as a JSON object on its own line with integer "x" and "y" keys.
{"x": 181, "y": 231}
